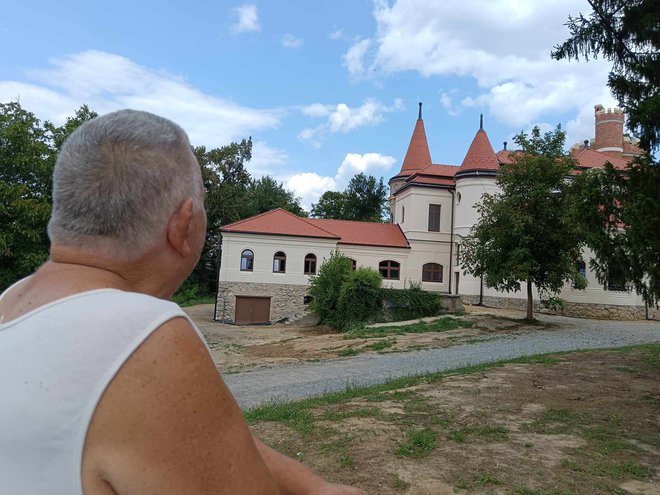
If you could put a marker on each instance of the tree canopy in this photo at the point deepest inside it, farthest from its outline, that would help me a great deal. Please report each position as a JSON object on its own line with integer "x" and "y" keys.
{"x": 618, "y": 210}
{"x": 364, "y": 199}
{"x": 526, "y": 232}
{"x": 28, "y": 150}
{"x": 626, "y": 33}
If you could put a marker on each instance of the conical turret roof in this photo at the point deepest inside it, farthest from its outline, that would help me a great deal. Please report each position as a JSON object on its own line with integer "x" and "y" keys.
{"x": 480, "y": 155}
{"x": 418, "y": 155}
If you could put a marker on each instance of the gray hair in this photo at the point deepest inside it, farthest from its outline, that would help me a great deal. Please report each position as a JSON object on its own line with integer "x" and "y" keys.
{"x": 117, "y": 181}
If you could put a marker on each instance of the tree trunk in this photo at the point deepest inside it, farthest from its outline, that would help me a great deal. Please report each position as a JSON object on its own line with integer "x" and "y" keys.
{"x": 530, "y": 302}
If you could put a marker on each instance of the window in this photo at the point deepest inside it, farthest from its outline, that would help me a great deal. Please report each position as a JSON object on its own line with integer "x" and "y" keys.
{"x": 247, "y": 261}
{"x": 617, "y": 285}
{"x": 432, "y": 272}
{"x": 581, "y": 267}
{"x": 279, "y": 262}
{"x": 353, "y": 264}
{"x": 310, "y": 264}
{"x": 434, "y": 218}
{"x": 389, "y": 270}
{"x": 403, "y": 214}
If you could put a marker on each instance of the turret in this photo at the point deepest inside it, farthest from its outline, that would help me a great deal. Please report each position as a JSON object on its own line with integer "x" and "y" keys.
{"x": 609, "y": 131}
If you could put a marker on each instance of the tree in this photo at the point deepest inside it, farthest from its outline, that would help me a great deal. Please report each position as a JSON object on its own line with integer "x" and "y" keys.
{"x": 332, "y": 204}
{"x": 226, "y": 182}
{"x": 618, "y": 210}
{"x": 365, "y": 199}
{"x": 266, "y": 194}
{"x": 325, "y": 288}
{"x": 526, "y": 233}
{"x": 28, "y": 150}
{"x": 626, "y": 33}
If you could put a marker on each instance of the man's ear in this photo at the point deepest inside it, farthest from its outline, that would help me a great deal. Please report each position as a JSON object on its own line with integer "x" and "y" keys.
{"x": 178, "y": 228}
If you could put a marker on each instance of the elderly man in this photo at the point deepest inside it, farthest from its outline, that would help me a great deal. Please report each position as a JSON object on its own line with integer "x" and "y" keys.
{"x": 107, "y": 387}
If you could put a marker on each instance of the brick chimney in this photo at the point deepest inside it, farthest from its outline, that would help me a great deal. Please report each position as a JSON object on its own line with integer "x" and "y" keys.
{"x": 609, "y": 131}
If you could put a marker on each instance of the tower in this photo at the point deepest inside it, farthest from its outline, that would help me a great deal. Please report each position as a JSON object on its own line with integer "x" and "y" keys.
{"x": 417, "y": 157}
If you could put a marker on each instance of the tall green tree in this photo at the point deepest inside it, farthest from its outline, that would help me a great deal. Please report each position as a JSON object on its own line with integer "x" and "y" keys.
{"x": 526, "y": 233}
{"x": 626, "y": 33}
{"x": 364, "y": 199}
{"x": 619, "y": 213}
{"x": 28, "y": 150}
{"x": 266, "y": 194}
{"x": 226, "y": 182}
{"x": 618, "y": 210}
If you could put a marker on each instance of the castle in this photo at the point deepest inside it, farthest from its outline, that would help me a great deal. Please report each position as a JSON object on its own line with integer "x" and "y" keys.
{"x": 267, "y": 259}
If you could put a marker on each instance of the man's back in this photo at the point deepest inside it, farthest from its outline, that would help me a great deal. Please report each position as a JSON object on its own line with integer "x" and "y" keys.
{"x": 57, "y": 361}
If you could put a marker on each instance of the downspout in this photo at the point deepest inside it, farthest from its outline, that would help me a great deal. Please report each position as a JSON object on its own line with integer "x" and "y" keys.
{"x": 451, "y": 241}
{"x": 217, "y": 285}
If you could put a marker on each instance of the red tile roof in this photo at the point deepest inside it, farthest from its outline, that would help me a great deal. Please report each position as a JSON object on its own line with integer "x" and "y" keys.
{"x": 418, "y": 155}
{"x": 279, "y": 222}
{"x": 588, "y": 158}
{"x": 480, "y": 155}
{"x": 440, "y": 170}
{"x": 282, "y": 222}
{"x": 426, "y": 179}
{"x": 364, "y": 233}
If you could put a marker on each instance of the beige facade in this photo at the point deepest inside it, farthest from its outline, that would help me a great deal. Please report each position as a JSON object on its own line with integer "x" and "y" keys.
{"x": 420, "y": 191}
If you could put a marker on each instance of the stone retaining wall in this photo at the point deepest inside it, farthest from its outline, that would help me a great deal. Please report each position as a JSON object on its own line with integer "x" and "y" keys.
{"x": 578, "y": 310}
{"x": 287, "y": 301}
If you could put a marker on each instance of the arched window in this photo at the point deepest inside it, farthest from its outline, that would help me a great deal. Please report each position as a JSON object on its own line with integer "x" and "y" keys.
{"x": 353, "y": 264}
{"x": 389, "y": 269}
{"x": 432, "y": 272}
{"x": 310, "y": 264}
{"x": 247, "y": 261}
{"x": 581, "y": 268}
{"x": 279, "y": 262}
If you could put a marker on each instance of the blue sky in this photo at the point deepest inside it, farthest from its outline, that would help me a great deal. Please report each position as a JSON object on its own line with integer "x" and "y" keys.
{"x": 326, "y": 89}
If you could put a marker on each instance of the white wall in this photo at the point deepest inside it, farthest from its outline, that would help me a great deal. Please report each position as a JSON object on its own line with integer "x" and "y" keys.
{"x": 416, "y": 201}
{"x": 264, "y": 248}
{"x": 371, "y": 256}
{"x": 470, "y": 190}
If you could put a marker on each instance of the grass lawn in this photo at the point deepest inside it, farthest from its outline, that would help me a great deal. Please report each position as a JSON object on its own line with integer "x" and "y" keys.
{"x": 569, "y": 423}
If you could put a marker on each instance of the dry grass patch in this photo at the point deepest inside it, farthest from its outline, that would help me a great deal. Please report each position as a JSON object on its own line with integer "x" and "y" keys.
{"x": 571, "y": 423}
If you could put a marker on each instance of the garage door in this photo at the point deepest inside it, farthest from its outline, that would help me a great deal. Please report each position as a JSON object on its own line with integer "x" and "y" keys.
{"x": 252, "y": 309}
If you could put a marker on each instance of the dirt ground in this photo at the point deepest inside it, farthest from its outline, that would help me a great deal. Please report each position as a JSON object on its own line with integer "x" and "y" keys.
{"x": 241, "y": 348}
{"x": 578, "y": 423}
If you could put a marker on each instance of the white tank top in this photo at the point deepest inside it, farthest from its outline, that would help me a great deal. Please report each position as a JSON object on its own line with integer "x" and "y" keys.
{"x": 55, "y": 363}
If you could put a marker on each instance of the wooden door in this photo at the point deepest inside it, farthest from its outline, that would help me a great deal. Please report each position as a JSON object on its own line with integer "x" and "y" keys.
{"x": 250, "y": 310}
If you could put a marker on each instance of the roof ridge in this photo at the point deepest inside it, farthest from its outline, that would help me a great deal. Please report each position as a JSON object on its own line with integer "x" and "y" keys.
{"x": 251, "y": 218}
{"x": 307, "y": 220}
{"x": 352, "y": 221}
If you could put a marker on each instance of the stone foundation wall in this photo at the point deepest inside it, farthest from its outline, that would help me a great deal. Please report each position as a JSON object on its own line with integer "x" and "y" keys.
{"x": 287, "y": 301}
{"x": 578, "y": 310}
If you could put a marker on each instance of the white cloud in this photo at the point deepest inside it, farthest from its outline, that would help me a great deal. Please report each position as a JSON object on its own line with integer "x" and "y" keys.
{"x": 290, "y": 41}
{"x": 448, "y": 104}
{"x": 354, "y": 163}
{"x": 338, "y": 34}
{"x": 310, "y": 186}
{"x": 504, "y": 45}
{"x": 342, "y": 119}
{"x": 108, "y": 82}
{"x": 266, "y": 160}
{"x": 247, "y": 19}
{"x": 354, "y": 58}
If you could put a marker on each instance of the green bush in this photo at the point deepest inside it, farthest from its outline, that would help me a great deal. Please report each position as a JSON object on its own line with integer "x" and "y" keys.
{"x": 408, "y": 304}
{"x": 360, "y": 299}
{"x": 325, "y": 288}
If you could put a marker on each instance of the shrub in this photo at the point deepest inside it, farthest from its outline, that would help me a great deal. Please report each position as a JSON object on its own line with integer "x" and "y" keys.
{"x": 360, "y": 299}
{"x": 408, "y": 304}
{"x": 325, "y": 287}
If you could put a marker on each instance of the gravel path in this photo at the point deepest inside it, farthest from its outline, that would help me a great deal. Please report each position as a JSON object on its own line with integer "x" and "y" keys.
{"x": 292, "y": 382}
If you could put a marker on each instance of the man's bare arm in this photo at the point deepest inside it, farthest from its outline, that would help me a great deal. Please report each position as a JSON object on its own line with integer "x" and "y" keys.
{"x": 168, "y": 424}
{"x": 294, "y": 478}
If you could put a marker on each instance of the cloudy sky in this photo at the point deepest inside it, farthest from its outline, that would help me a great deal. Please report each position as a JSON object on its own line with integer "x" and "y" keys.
{"x": 326, "y": 88}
